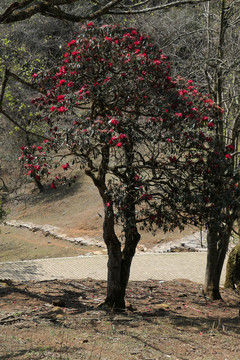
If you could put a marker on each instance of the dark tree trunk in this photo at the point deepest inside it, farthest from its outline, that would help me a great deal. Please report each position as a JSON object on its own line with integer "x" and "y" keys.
{"x": 119, "y": 264}
{"x": 39, "y": 184}
{"x": 217, "y": 242}
{"x": 115, "y": 297}
{"x": 131, "y": 241}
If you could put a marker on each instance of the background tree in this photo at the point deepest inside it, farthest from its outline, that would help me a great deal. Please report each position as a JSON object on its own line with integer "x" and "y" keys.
{"x": 146, "y": 141}
{"x": 204, "y": 45}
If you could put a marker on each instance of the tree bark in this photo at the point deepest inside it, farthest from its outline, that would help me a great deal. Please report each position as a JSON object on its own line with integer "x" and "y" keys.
{"x": 119, "y": 263}
{"x": 217, "y": 243}
{"x": 38, "y": 183}
{"x": 115, "y": 295}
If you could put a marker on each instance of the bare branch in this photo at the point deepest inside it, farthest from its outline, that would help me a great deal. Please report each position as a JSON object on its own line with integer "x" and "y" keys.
{"x": 23, "y": 82}
{"x": 50, "y": 8}
{"x": 159, "y": 7}
{"x": 20, "y": 127}
{"x": 4, "y": 84}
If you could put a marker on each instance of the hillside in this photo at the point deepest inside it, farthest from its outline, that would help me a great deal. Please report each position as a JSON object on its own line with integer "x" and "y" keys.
{"x": 76, "y": 211}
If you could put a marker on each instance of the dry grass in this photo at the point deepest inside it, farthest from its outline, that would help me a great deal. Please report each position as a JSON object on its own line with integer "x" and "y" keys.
{"x": 164, "y": 320}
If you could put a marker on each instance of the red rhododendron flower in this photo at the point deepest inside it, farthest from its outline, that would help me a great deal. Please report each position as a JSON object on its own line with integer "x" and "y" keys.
{"x": 53, "y": 108}
{"x": 62, "y": 109}
{"x": 122, "y": 136}
{"x": 114, "y": 122}
{"x": 119, "y": 144}
{"x": 53, "y": 185}
{"x": 179, "y": 115}
{"x": 35, "y": 75}
{"x": 60, "y": 98}
{"x": 112, "y": 139}
{"x": 228, "y": 156}
{"x": 230, "y": 147}
{"x": 65, "y": 166}
{"x": 71, "y": 43}
{"x": 62, "y": 82}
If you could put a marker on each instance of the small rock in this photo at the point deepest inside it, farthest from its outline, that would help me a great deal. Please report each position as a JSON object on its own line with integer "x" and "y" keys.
{"x": 97, "y": 253}
{"x": 142, "y": 248}
{"x": 162, "y": 306}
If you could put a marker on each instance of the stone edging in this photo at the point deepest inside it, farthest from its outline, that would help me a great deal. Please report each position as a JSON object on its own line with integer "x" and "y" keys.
{"x": 56, "y": 233}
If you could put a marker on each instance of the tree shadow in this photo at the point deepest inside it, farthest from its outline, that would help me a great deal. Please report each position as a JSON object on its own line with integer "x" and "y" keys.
{"x": 39, "y": 351}
{"x": 50, "y": 195}
{"x": 71, "y": 296}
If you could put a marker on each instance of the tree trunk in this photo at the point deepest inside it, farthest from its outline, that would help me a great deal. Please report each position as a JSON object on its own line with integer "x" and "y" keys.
{"x": 232, "y": 280}
{"x": 119, "y": 264}
{"x": 115, "y": 295}
{"x": 38, "y": 183}
{"x": 217, "y": 243}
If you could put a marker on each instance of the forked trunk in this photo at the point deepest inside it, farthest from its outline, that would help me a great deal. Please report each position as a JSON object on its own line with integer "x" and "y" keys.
{"x": 217, "y": 243}
{"x": 119, "y": 265}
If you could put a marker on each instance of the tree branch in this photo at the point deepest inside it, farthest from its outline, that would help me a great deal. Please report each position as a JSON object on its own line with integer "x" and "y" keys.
{"x": 50, "y": 8}
{"x": 20, "y": 127}
{"x": 4, "y": 84}
{"x": 159, "y": 7}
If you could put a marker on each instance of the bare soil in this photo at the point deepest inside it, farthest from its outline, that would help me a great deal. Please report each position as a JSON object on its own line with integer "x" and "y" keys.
{"x": 63, "y": 320}
{"x": 163, "y": 320}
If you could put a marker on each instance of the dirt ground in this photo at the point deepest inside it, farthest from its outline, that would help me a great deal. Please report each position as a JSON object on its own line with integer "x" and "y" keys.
{"x": 63, "y": 320}
{"x": 163, "y": 320}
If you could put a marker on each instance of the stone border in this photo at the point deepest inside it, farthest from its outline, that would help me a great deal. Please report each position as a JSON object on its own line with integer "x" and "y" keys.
{"x": 55, "y": 232}
{"x": 191, "y": 243}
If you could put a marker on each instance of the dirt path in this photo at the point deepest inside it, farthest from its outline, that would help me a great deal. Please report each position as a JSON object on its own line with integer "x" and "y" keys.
{"x": 166, "y": 266}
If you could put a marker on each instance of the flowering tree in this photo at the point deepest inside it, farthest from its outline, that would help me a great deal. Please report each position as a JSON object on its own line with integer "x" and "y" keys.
{"x": 146, "y": 141}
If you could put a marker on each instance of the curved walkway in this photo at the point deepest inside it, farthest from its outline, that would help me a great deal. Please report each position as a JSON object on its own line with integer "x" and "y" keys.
{"x": 167, "y": 266}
